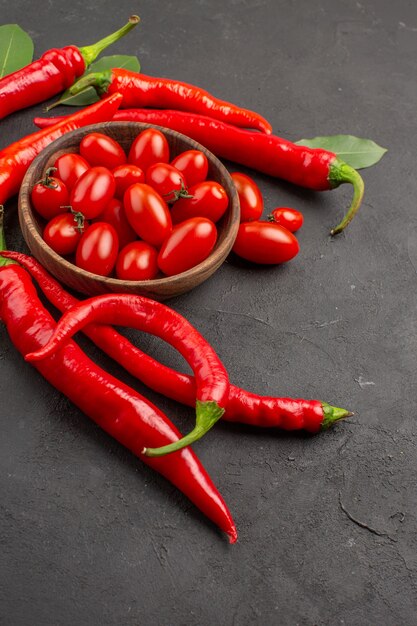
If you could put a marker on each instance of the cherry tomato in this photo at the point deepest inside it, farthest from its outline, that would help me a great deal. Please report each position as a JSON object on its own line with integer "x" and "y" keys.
{"x": 62, "y": 233}
{"x": 209, "y": 200}
{"x": 167, "y": 181}
{"x": 147, "y": 213}
{"x": 93, "y": 191}
{"x": 188, "y": 245}
{"x": 100, "y": 149}
{"x": 291, "y": 219}
{"x": 97, "y": 249}
{"x": 69, "y": 168}
{"x": 126, "y": 175}
{"x": 250, "y": 197}
{"x": 149, "y": 147}
{"x": 114, "y": 214}
{"x": 137, "y": 261}
{"x": 193, "y": 164}
{"x": 265, "y": 243}
{"x": 50, "y": 196}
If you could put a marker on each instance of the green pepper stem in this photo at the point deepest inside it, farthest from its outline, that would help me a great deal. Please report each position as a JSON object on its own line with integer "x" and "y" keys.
{"x": 332, "y": 414}
{"x": 3, "y": 261}
{"x": 90, "y": 53}
{"x": 341, "y": 172}
{"x": 207, "y": 414}
{"x": 99, "y": 80}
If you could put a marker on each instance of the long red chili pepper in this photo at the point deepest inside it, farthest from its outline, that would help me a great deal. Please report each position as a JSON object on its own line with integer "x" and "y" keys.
{"x": 16, "y": 158}
{"x": 118, "y": 409}
{"x": 312, "y": 168}
{"x": 56, "y": 70}
{"x": 129, "y": 310}
{"x": 242, "y": 406}
{"x": 212, "y": 381}
{"x": 139, "y": 90}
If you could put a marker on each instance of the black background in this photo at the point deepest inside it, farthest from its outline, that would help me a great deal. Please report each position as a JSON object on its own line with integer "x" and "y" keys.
{"x": 327, "y": 524}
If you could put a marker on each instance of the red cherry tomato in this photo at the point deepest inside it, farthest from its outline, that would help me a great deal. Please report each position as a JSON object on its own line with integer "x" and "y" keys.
{"x": 126, "y": 175}
{"x": 148, "y": 214}
{"x": 92, "y": 192}
{"x": 69, "y": 168}
{"x": 167, "y": 181}
{"x": 289, "y": 218}
{"x": 265, "y": 243}
{"x": 62, "y": 233}
{"x": 100, "y": 149}
{"x": 189, "y": 244}
{"x": 250, "y": 197}
{"x": 209, "y": 200}
{"x": 137, "y": 261}
{"x": 50, "y": 196}
{"x": 114, "y": 214}
{"x": 193, "y": 164}
{"x": 149, "y": 147}
{"x": 97, "y": 249}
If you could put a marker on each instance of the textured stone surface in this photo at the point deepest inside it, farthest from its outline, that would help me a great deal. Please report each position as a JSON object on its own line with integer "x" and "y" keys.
{"x": 327, "y": 525}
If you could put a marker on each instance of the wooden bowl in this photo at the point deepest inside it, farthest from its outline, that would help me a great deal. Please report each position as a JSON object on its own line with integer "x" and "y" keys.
{"x": 92, "y": 284}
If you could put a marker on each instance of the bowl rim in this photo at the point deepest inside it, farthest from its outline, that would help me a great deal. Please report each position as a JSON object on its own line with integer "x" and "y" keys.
{"x": 221, "y": 250}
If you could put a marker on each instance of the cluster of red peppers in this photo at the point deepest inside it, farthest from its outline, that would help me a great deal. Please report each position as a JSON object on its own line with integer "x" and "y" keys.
{"x": 118, "y": 409}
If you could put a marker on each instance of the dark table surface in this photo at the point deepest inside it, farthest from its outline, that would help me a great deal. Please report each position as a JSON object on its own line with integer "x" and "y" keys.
{"x": 327, "y": 524}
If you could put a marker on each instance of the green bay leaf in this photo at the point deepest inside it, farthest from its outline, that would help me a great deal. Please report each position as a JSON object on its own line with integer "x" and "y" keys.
{"x": 355, "y": 151}
{"x": 16, "y": 49}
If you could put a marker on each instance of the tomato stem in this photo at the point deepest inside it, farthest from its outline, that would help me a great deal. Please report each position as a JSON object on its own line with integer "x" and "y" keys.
{"x": 177, "y": 194}
{"x": 79, "y": 219}
{"x": 47, "y": 181}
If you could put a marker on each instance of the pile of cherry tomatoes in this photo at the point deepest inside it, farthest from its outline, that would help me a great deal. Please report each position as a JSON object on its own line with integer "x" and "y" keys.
{"x": 141, "y": 215}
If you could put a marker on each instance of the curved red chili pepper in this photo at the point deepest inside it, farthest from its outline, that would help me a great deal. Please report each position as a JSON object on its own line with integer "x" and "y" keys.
{"x": 212, "y": 381}
{"x": 116, "y": 408}
{"x": 242, "y": 406}
{"x": 146, "y": 91}
{"x": 16, "y": 158}
{"x": 56, "y": 70}
{"x": 312, "y": 168}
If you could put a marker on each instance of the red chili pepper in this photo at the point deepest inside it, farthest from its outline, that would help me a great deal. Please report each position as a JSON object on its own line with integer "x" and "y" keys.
{"x": 56, "y": 70}
{"x": 16, "y": 158}
{"x": 118, "y": 409}
{"x": 212, "y": 381}
{"x": 242, "y": 406}
{"x": 312, "y": 168}
{"x": 146, "y": 91}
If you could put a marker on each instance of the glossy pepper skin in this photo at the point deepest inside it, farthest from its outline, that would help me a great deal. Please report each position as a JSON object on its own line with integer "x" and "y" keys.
{"x": 212, "y": 381}
{"x": 119, "y": 410}
{"x": 139, "y": 90}
{"x": 242, "y": 406}
{"x": 312, "y": 168}
{"x": 16, "y": 158}
{"x": 55, "y": 71}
